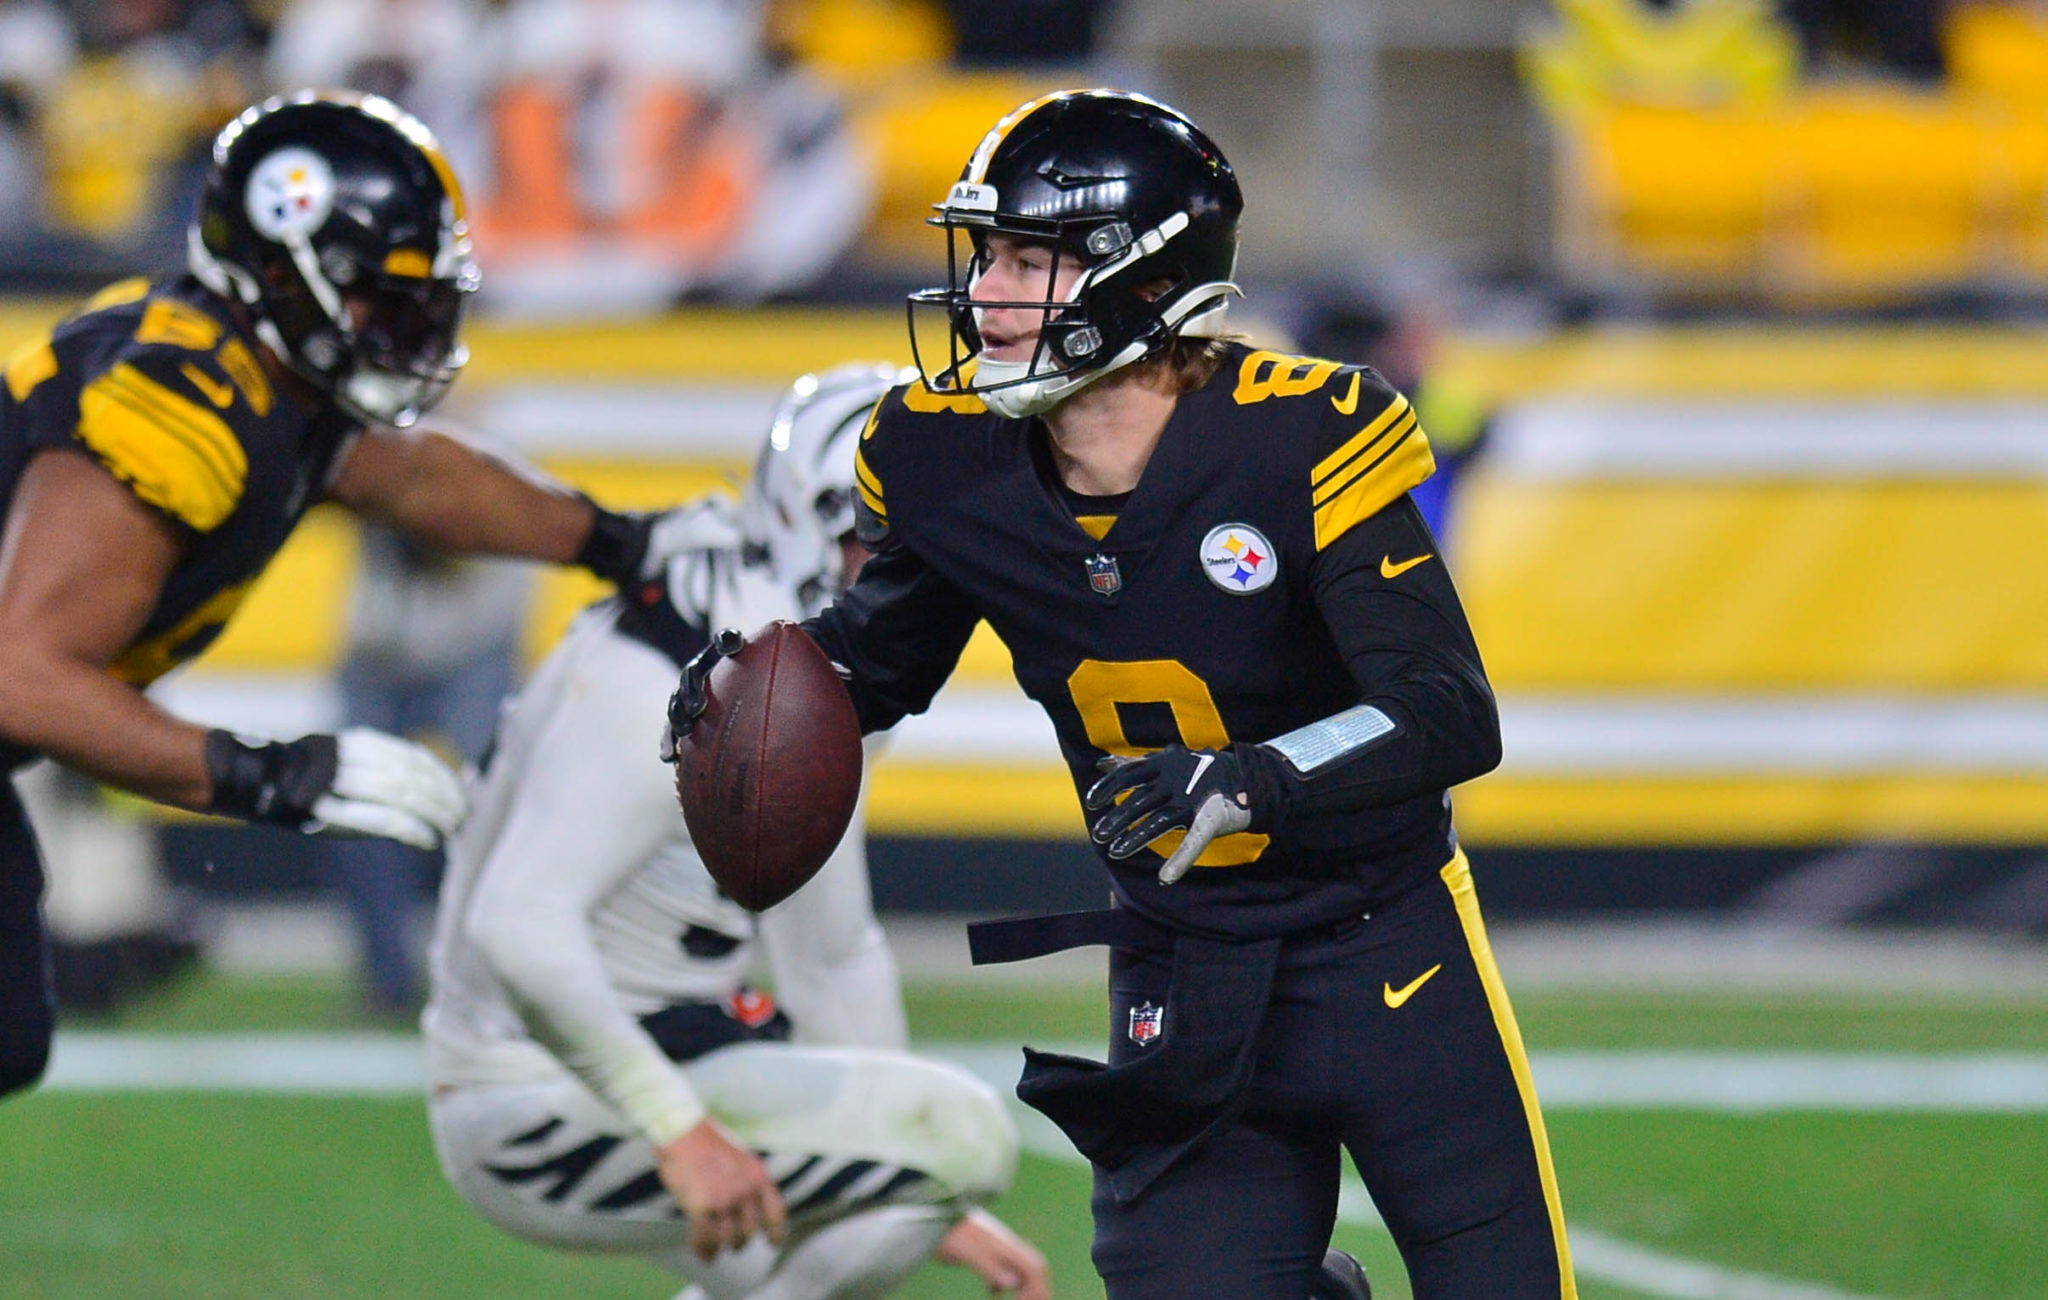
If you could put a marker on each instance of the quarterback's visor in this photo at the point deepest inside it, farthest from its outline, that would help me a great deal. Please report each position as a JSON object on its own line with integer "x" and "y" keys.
{"x": 947, "y": 325}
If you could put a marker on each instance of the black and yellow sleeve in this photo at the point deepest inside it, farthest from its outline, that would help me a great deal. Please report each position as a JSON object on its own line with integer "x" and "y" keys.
{"x": 158, "y": 436}
{"x": 871, "y": 510}
{"x": 1379, "y": 453}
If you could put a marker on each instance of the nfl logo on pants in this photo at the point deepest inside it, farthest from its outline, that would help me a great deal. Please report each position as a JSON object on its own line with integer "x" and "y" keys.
{"x": 1147, "y": 1023}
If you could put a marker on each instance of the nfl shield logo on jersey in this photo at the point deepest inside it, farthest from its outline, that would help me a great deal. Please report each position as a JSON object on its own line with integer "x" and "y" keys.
{"x": 1102, "y": 575}
{"x": 1147, "y": 1023}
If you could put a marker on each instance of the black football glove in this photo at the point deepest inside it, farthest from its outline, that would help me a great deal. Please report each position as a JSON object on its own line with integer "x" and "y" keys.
{"x": 634, "y": 547}
{"x": 361, "y": 782}
{"x": 689, "y": 701}
{"x": 1200, "y": 791}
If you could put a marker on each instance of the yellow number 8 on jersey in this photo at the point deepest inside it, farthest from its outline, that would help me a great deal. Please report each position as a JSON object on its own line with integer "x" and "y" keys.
{"x": 1098, "y": 686}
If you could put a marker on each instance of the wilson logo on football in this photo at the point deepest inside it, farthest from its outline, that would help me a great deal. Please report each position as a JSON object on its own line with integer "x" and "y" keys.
{"x": 1239, "y": 559}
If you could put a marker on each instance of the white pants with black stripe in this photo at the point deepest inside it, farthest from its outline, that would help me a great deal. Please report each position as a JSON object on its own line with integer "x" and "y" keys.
{"x": 877, "y": 1154}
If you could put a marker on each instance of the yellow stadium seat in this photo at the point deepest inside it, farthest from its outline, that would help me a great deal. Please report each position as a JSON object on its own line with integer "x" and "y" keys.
{"x": 921, "y": 131}
{"x": 861, "y": 43}
{"x": 1999, "y": 51}
{"x": 1680, "y": 193}
{"x": 1895, "y": 189}
{"x": 2028, "y": 143}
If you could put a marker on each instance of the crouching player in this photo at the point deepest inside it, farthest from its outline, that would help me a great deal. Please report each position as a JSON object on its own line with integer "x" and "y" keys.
{"x": 602, "y": 1079}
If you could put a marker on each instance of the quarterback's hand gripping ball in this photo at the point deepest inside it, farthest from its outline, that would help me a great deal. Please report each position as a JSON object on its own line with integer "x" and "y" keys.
{"x": 766, "y": 747}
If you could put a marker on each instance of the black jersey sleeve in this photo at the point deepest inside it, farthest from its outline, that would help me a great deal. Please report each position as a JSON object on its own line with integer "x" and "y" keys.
{"x": 896, "y": 635}
{"x": 1381, "y": 586}
{"x": 898, "y": 631}
{"x": 1390, "y": 606}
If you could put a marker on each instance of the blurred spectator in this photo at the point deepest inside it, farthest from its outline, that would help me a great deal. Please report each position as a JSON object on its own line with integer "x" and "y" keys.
{"x": 37, "y": 47}
{"x": 1401, "y": 338}
{"x": 995, "y": 33}
{"x": 1899, "y": 37}
{"x": 432, "y": 56}
{"x": 433, "y": 650}
{"x": 123, "y": 129}
{"x": 647, "y": 149}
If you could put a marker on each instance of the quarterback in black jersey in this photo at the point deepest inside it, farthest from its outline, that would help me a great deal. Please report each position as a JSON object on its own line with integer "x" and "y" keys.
{"x": 1207, "y": 569}
{"x": 159, "y": 445}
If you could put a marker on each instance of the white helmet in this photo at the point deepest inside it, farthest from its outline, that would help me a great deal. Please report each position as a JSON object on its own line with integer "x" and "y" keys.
{"x": 800, "y": 501}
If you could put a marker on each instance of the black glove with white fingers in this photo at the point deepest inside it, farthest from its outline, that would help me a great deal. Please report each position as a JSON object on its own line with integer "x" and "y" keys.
{"x": 630, "y": 548}
{"x": 360, "y": 782}
{"x": 689, "y": 701}
{"x": 1203, "y": 792}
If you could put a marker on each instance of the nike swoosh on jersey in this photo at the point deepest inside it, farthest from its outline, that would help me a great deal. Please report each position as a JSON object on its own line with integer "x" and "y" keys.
{"x": 1396, "y": 996}
{"x": 1349, "y": 402}
{"x": 1389, "y": 569}
{"x": 221, "y": 395}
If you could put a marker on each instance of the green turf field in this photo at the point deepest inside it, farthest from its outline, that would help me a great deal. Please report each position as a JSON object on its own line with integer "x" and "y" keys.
{"x": 226, "y": 1197}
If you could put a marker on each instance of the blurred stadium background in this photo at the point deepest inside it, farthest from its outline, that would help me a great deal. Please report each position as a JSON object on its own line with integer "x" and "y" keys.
{"x": 1729, "y": 318}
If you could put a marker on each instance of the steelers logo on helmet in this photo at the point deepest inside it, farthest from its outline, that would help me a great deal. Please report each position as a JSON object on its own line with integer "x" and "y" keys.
{"x": 290, "y": 193}
{"x": 1239, "y": 559}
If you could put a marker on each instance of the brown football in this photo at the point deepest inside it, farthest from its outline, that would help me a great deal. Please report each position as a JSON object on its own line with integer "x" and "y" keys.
{"x": 769, "y": 777}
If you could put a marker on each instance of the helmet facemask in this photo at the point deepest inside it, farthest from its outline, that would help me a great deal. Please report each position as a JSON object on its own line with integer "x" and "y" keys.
{"x": 1126, "y": 304}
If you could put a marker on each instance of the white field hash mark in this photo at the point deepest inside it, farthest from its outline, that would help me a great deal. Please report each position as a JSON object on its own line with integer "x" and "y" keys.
{"x": 1736, "y": 1082}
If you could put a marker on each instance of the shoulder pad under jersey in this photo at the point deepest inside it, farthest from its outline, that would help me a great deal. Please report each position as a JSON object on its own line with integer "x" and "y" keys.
{"x": 1367, "y": 448}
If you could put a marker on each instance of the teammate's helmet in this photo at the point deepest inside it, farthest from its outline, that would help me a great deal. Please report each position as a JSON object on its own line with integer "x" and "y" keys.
{"x": 1130, "y": 189}
{"x": 800, "y": 500}
{"x": 336, "y": 220}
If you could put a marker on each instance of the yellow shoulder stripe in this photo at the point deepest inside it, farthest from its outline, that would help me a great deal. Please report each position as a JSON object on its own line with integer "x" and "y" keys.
{"x": 175, "y": 454}
{"x": 870, "y": 486}
{"x": 1358, "y": 493}
{"x": 179, "y": 324}
{"x": 1357, "y": 444}
{"x": 29, "y": 366}
{"x": 117, "y": 293}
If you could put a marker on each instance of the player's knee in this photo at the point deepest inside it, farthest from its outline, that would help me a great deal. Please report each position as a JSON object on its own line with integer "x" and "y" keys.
{"x": 24, "y": 1054}
{"x": 974, "y": 1148}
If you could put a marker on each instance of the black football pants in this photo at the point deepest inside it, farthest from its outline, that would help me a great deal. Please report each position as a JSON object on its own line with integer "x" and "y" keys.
{"x": 1393, "y": 1040}
{"x": 27, "y": 1005}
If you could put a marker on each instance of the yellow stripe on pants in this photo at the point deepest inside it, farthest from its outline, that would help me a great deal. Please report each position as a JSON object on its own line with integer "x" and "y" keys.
{"x": 1457, "y": 877}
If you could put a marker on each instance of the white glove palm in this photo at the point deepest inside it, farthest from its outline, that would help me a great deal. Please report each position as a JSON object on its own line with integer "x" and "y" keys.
{"x": 389, "y": 787}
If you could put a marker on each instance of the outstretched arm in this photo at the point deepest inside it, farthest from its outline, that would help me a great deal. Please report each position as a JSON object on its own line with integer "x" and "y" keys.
{"x": 82, "y": 564}
{"x": 455, "y": 496}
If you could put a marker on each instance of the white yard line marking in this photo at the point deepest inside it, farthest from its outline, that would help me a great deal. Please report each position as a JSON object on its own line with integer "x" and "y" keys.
{"x": 1727, "y": 1081}
{"x": 394, "y": 1065}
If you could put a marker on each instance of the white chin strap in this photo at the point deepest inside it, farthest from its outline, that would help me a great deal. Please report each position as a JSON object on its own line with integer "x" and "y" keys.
{"x": 1202, "y": 309}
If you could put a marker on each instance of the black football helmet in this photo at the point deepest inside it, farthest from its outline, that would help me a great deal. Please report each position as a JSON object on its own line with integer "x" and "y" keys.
{"x": 1130, "y": 189}
{"x": 337, "y": 221}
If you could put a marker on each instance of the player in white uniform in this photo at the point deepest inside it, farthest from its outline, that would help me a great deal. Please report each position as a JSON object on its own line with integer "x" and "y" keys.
{"x": 602, "y": 1079}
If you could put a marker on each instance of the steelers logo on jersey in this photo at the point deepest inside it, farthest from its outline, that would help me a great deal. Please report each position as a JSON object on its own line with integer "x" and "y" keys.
{"x": 1239, "y": 559}
{"x": 290, "y": 193}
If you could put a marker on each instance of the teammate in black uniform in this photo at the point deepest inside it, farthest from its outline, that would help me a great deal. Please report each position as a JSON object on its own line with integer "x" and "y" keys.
{"x": 1206, "y": 566}
{"x": 158, "y": 447}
